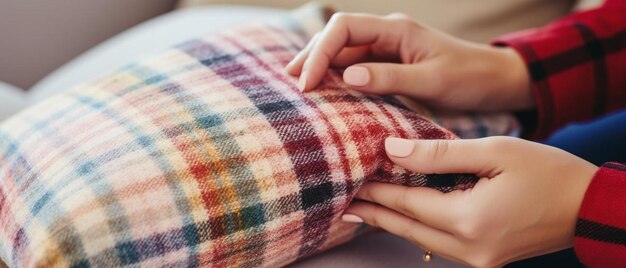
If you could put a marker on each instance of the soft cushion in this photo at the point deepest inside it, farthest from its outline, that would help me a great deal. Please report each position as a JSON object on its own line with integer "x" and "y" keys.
{"x": 204, "y": 155}
{"x": 146, "y": 39}
{"x": 12, "y": 99}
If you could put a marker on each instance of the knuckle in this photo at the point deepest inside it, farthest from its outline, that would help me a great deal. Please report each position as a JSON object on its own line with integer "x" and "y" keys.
{"x": 388, "y": 78}
{"x": 339, "y": 17}
{"x": 497, "y": 144}
{"x": 469, "y": 231}
{"x": 398, "y": 15}
{"x": 471, "y": 228}
{"x": 438, "y": 149}
{"x": 409, "y": 25}
{"x": 402, "y": 201}
{"x": 367, "y": 193}
{"x": 409, "y": 233}
{"x": 483, "y": 259}
{"x": 440, "y": 85}
{"x": 404, "y": 21}
{"x": 439, "y": 82}
{"x": 374, "y": 220}
{"x": 461, "y": 216}
{"x": 412, "y": 236}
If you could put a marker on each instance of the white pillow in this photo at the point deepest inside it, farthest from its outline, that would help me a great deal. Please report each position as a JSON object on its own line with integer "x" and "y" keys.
{"x": 146, "y": 39}
{"x": 12, "y": 99}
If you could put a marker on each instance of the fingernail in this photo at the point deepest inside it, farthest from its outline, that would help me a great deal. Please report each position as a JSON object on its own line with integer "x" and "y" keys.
{"x": 356, "y": 76}
{"x": 302, "y": 82}
{"x": 351, "y": 218}
{"x": 399, "y": 147}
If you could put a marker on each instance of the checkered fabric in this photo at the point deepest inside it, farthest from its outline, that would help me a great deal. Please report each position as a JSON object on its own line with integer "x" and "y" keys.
{"x": 205, "y": 155}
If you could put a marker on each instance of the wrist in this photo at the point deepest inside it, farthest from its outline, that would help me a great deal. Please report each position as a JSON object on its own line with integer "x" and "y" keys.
{"x": 502, "y": 77}
{"x": 576, "y": 195}
{"x": 514, "y": 78}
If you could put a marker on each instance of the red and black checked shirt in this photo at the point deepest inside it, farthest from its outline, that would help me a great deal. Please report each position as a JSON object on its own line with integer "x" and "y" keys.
{"x": 578, "y": 70}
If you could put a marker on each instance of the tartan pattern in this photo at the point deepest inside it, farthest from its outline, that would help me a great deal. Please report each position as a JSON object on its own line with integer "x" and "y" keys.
{"x": 206, "y": 155}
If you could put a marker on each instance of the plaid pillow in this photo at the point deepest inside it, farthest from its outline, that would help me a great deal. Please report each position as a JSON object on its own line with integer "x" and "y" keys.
{"x": 204, "y": 155}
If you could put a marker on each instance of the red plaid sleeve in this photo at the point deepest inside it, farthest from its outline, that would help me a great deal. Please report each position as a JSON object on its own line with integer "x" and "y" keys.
{"x": 577, "y": 65}
{"x": 578, "y": 70}
{"x": 600, "y": 239}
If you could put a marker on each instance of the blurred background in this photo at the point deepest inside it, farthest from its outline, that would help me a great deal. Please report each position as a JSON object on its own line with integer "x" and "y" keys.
{"x": 40, "y": 36}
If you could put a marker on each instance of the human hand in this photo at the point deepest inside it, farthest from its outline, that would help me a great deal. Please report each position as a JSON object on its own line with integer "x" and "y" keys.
{"x": 525, "y": 204}
{"x": 438, "y": 69}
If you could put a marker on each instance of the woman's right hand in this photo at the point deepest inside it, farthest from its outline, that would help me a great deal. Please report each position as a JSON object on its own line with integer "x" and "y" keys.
{"x": 396, "y": 55}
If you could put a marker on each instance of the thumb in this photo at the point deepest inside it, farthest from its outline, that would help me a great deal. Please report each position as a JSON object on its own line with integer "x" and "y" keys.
{"x": 475, "y": 156}
{"x": 384, "y": 78}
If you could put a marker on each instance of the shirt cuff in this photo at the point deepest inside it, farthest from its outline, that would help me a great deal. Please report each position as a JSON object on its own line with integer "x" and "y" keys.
{"x": 560, "y": 94}
{"x": 600, "y": 236}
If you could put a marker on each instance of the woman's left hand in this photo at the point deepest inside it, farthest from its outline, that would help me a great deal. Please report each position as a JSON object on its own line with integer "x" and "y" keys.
{"x": 525, "y": 204}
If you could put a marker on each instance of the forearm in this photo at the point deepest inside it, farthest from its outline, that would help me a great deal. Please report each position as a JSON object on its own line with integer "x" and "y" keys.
{"x": 575, "y": 66}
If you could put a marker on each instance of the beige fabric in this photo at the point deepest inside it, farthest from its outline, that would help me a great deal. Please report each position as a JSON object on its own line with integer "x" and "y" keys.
{"x": 38, "y": 36}
{"x": 588, "y": 4}
{"x": 41, "y": 35}
{"x": 477, "y": 20}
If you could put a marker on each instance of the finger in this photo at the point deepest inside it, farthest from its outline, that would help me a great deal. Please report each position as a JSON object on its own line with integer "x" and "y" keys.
{"x": 347, "y": 57}
{"x": 342, "y": 31}
{"x": 427, "y": 205}
{"x": 350, "y": 55}
{"x": 294, "y": 67}
{"x": 475, "y": 156}
{"x": 386, "y": 78}
{"x": 429, "y": 238}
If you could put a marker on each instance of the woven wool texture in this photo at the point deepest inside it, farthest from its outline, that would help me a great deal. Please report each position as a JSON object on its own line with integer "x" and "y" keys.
{"x": 205, "y": 155}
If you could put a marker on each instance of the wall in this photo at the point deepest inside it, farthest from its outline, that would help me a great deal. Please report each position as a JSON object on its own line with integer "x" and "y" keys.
{"x": 38, "y": 36}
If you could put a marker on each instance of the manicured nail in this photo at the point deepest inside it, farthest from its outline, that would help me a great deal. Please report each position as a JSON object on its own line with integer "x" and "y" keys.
{"x": 399, "y": 147}
{"x": 356, "y": 76}
{"x": 351, "y": 218}
{"x": 302, "y": 82}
